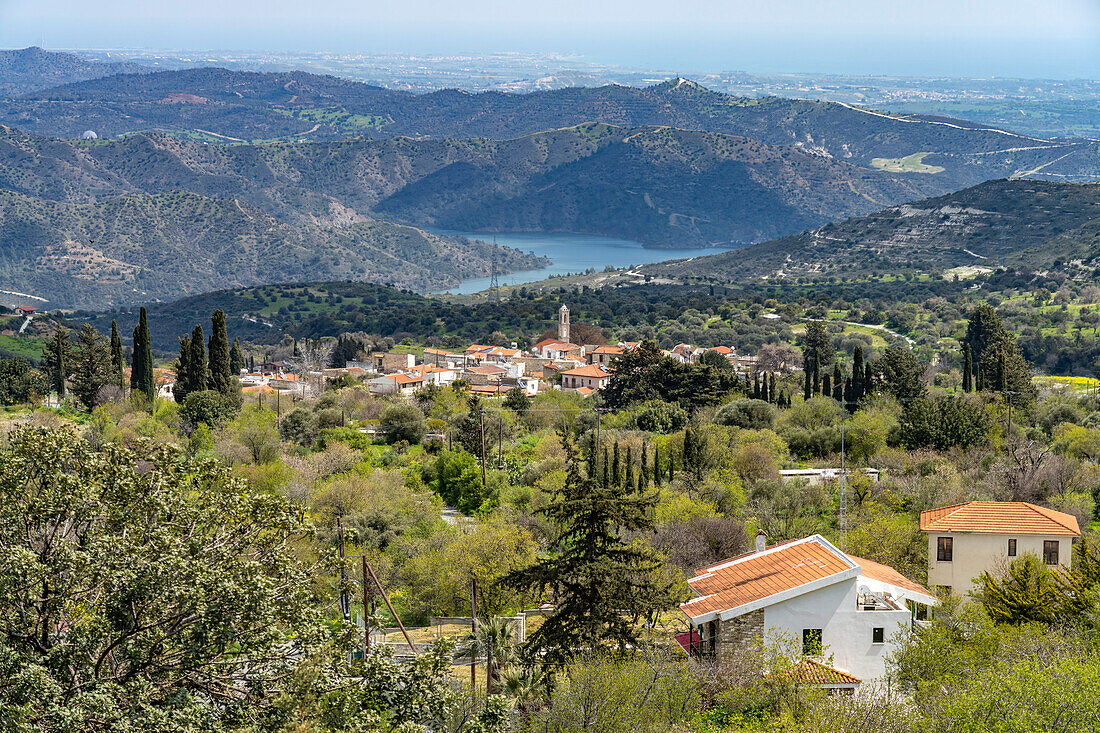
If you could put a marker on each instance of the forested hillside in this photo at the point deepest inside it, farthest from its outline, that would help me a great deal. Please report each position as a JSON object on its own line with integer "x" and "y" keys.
{"x": 27, "y": 70}
{"x": 221, "y": 106}
{"x": 1027, "y": 224}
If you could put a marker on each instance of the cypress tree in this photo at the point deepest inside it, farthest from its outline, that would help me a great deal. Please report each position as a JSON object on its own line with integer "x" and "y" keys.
{"x": 968, "y": 369}
{"x": 219, "y": 378}
{"x": 857, "y": 374}
{"x": 671, "y": 466}
{"x": 628, "y": 471}
{"x": 236, "y": 358}
{"x": 57, "y": 360}
{"x": 606, "y": 466}
{"x": 183, "y": 370}
{"x": 643, "y": 473}
{"x": 615, "y": 472}
{"x": 808, "y": 371}
{"x": 118, "y": 365}
{"x": 756, "y": 386}
{"x": 251, "y": 363}
{"x": 827, "y": 385}
{"x": 200, "y": 377}
{"x": 657, "y": 464}
{"x": 838, "y": 384}
{"x": 142, "y": 379}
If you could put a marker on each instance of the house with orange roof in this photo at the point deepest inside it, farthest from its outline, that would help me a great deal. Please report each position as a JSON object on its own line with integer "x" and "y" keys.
{"x": 964, "y": 540}
{"x": 432, "y": 374}
{"x": 589, "y": 376}
{"x": 397, "y": 383}
{"x": 555, "y": 349}
{"x": 840, "y": 607}
{"x": 603, "y": 355}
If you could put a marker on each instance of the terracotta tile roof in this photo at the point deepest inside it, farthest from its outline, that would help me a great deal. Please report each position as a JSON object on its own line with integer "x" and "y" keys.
{"x": 589, "y": 370}
{"x": 812, "y": 672}
{"x": 999, "y": 517}
{"x": 724, "y": 350}
{"x": 556, "y": 345}
{"x": 400, "y": 378}
{"x": 615, "y": 350}
{"x": 585, "y": 390}
{"x": 886, "y": 574}
{"x": 764, "y": 574}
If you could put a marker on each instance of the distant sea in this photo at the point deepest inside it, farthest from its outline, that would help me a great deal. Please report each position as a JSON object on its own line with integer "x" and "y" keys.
{"x": 570, "y": 254}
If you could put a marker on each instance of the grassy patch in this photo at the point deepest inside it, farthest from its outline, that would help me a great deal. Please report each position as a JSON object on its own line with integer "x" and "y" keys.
{"x": 909, "y": 164}
{"x": 26, "y": 346}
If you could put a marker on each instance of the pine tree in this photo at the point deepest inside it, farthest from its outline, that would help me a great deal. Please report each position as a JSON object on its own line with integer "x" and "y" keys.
{"x": 93, "y": 366}
{"x": 219, "y": 377}
{"x": 57, "y": 360}
{"x": 968, "y": 369}
{"x": 142, "y": 378}
{"x": 236, "y": 358}
{"x": 595, "y": 571}
{"x": 118, "y": 364}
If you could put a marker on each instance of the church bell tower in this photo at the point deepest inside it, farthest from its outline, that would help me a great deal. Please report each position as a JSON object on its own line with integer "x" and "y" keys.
{"x": 563, "y": 324}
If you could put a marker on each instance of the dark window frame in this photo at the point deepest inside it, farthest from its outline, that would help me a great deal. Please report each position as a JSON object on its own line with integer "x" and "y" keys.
{"x": 1050, "y": 552}
{"x": 878, "y": 635}
{"x": 811, "y": 642}
{"x": 1012, "y": 548}
{"x": 945, "y": 549}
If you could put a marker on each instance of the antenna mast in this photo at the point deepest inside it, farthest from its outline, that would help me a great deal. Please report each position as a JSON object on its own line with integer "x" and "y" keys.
{"x": 494, "y": 286}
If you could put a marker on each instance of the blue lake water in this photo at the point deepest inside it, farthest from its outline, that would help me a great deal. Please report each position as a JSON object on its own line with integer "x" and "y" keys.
{"x": 570, "y": 254}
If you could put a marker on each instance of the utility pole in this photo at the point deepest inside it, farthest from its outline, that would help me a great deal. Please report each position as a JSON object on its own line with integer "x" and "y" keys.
{"x": 473, "y": 628}
{"x": 481, "y": 422}
{"x": 366, "y": 612}
{"x": 345, "y": 607}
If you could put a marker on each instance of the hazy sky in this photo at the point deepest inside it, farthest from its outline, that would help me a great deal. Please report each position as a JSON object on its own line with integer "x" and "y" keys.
{"x": 1027, "y": 38}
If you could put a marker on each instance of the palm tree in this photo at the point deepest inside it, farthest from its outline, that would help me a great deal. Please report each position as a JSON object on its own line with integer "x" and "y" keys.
{"x": 495, "y": 639}
{"x": 528, "y": 686}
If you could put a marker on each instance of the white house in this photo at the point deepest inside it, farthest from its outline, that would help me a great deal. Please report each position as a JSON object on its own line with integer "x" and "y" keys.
{"x": 397, "y": 383}
{"x": 591, "y": 376}
{"x": 966, "y": 539}
{"x": 841, "y": 607}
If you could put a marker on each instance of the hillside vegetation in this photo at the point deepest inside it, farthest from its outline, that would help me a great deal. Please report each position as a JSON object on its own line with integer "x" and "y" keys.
{"x": 1028, "y": 224}
{"x": 33, "y": 69}
{"x": 222, "y": 106}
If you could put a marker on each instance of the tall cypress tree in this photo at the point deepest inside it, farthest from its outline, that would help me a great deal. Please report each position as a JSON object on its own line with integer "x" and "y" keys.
{"x": 197, "y": 369}
{"x": 671, "y": 466}
{"x": 57, "y": 360}
{"x": 827, "y": 385}
{"x": 615, "y": 473}
{"x": 857, "y": 374}
{"x": 183, "y": 370}
{"x": 236, "y": 358}
{"x": 968, "y": 369}
{"x": 628, "y": 470}
{"x": 808, "y": 369}
{"x": 817, "y": 378}
{"x": 118, "y": 364}
{"x": 838, "y": 383}
{"x": 657, "y": 465}
{"x": 142, "y": 379}
{"x": 643, "y": 474}
{"x": 219, "y": 378}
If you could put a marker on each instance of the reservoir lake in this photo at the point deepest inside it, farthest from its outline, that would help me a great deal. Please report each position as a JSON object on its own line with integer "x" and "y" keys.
{"x": 569, "y": 254}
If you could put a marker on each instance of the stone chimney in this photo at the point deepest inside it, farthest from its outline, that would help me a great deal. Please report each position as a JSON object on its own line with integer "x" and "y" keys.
{"x": 761, "y": 541}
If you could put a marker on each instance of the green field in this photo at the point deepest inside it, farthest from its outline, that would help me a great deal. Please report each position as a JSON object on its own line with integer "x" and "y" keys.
{"x": 335, "y": 117}
{"x": 909, "y": 164}
{"x": 28, "y": 346}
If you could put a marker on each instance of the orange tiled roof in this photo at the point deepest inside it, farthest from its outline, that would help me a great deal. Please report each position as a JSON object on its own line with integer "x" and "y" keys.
{"x": 998, "y": 517}
{"x": 886, "y": 574}
{"x": 589, "y": 370}
{"x": 722, "y": 350}
{"x": 608, "y": 350}
{"x": 812, "y": 672}
{"x": 763, "y": 574}
{"x": 400, "y": 378}
{"x": 585, "y": 390}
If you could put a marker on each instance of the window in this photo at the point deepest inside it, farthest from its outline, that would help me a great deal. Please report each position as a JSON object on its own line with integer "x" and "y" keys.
{"x": 1012, "y": 548}
{"x": 811, "y": 642}
{"x": 878, "y": 635}
{"x": 1050, "y": 552}
{"x": 944, "y": 549}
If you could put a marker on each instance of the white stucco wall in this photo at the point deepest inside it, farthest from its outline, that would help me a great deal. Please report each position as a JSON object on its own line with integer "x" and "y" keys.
{"x": 975, "y": 552}
{"x": 846, "y": 632}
